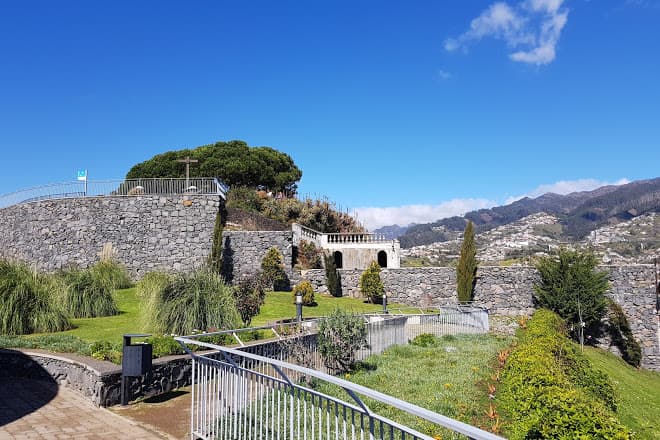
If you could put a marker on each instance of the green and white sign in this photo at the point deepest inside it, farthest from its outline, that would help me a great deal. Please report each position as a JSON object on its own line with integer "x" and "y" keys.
{"x": 82, "y": 175}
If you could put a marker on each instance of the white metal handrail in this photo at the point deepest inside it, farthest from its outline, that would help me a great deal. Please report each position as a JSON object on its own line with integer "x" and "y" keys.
{"x": 117, "y": 187}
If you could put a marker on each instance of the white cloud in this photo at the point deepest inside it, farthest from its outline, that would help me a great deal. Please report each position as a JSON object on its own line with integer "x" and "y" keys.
{"x": 374, "y": 218}
{"x": 443, "y": 74}
{"x": 566, "y": 187}
{"x": 531, "y": 29}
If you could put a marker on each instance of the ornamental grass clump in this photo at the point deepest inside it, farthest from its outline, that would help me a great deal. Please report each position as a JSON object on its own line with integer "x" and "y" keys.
{"x": 29, "y": 301}
{"x": 111, "y": 273}
{"x": 186, "y": 303}
{"x": 88, "y": 293}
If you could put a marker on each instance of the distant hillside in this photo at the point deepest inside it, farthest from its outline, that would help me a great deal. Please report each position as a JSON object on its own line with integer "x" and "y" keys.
{"x": 579, "y": 212}
{"x": 391, "y": 232}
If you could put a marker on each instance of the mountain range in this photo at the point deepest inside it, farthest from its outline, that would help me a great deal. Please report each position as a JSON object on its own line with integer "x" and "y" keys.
{"x": 578, "y": 213}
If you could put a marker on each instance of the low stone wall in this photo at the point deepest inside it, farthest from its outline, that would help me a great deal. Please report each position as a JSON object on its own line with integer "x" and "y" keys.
{"x": 146, "y": 232}
{"x": 96, "y": 380}
{"x": 242, "y": 251}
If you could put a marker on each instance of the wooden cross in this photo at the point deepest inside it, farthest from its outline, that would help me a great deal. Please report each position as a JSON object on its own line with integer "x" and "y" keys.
{"x": 187, "y": 161}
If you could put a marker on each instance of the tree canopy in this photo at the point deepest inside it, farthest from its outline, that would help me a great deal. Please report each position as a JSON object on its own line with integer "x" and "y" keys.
{"x": 234, "y": 162}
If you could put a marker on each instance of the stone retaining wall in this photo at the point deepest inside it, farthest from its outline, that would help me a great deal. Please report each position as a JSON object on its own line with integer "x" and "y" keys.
{"x": 146, "y": 232}
{"x": 242, "y": 251}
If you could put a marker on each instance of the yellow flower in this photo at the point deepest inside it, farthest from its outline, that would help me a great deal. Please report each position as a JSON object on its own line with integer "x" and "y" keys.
{"x": 347, "y": 375}
{"x": 447, "y": 386}
{"x": 437, "y": 437}
{"x": 475, "y": 369}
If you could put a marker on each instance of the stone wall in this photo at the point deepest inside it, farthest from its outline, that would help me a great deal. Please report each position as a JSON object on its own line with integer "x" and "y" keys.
{"x": 146, "y": 232}
{"x": 242, "y": 251}
{"x": 509, "y": 291}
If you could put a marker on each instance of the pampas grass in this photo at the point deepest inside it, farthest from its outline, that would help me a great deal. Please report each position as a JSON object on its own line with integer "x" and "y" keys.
{"x": 87, "y": 295}
{"x": 29, "y": 301}
{"x": 185, "y": 303}
{"x": 111, "y": 273}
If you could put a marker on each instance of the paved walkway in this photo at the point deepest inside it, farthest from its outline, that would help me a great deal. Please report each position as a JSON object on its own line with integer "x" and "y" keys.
{"x": 32, "y": 409}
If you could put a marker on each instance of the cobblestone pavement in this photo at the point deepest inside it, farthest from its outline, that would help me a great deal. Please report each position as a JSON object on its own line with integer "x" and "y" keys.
{"x": 31, "y": 409}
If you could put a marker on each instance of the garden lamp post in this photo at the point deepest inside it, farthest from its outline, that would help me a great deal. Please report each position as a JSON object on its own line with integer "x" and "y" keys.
{"x": 385, "y": 303}
{"x": 299, "y": 307}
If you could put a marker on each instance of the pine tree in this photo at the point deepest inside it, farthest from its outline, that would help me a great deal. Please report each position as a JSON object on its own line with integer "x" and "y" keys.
{"x": 467, "y": 265}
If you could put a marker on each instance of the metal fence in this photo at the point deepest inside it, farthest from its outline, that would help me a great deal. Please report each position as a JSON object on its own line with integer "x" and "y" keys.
{"x": 271, "y": 389}
{"x": 117, "y": 187}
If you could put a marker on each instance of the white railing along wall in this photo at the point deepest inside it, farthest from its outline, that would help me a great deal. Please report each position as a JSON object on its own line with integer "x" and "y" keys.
{"x": 257, "y": 392}
{"x": 116, "y": 187}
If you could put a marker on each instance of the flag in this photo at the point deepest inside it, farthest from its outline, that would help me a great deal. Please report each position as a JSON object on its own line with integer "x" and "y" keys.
{"x": 82, "y": 175}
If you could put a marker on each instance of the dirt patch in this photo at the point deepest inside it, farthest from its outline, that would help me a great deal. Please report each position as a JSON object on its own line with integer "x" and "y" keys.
{"x": 168, "y": 413}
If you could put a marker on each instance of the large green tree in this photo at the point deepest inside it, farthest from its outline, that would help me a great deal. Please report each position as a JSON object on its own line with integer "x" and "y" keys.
{"x": 467, "y": 265}
{"x": 234, "y": 162}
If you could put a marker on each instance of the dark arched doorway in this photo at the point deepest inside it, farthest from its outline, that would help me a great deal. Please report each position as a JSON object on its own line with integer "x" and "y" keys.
{"x": 339, "y": 259}
{"x": 382, "y": 259}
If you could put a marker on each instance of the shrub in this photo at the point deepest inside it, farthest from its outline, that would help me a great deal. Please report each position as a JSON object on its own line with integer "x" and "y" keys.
{"x": 305, "y": 289}
{"x": 466, "y": 270}
{"x": 242, "y": 197}
{"x": 332, "y": 280}
{"x": 164, "y": 346}
{"x": 425, "y": 340}
{"x": 88, "y": 293}
{"x": 550, "y": 391}
{"x": 340, "y": 335}
{"x": 189, "y": 302}
{"x": 621, "y": 335}
{"x": 250, "y": 296}
{"x": 371, "y": 285}
{"x": 571, "y": 287}
{"x": 29, "y": 301}
{"x": 62, "y": 343}
{"x": 309, "y": 256}
{"x": 106, "y": 351}
{"x": 111, "y": 273}
{"x": 272, "y": 266}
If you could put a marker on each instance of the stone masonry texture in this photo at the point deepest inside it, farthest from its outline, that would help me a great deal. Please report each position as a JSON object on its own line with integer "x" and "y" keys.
{"x": 147, "y": 233}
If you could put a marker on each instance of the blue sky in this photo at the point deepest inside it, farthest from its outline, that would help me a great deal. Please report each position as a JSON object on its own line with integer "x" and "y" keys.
{"x": 403, "y": 111}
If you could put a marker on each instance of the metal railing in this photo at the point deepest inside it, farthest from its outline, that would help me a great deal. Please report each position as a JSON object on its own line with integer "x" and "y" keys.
{"x": 116, "y": 187}
{"x": 322, "y": 239}
{"x": 259, "y": 391}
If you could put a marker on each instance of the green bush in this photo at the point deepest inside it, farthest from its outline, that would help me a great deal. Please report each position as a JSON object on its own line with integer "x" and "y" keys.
{"x": 164, "y": 346}
{"x": 87, "y": 295}
{"x": 622, "y": 336}
{"x": 308, "y": 256}
{"x": 111, "y": 273}
{"x": 340, "y": 336}
{"x": 29, "y": 301}
{"x": 272, "y": 267}
{"x": 371, "y": 285}
{"x": 106, "y": 351}
{"x": 573, "y": 288}
{"x": 250, "y": 296}
{"x": 62, "y": 343}
{"x": 198, "y": 301}
{"x": 242, "y": 197}
{"x": 305, "y": 289}
{"x": 549, "y": 390}
{"x": 425, "y": 340}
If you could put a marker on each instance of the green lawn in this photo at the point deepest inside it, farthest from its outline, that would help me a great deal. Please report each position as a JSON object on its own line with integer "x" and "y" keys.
{"x": 638, "y": 393}
{"x": 448, "y": 379}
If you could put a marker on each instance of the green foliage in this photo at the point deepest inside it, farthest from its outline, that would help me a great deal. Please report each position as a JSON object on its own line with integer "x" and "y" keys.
{"x": 250, "y": 296}
{"x": 321, "y": 215}
{"x": 62, "y": 343}
{"x": 332, "y": 280}
{"x": 29, "y": 301}
{"x": 215, "y": 258}
{"x": 106, "y": 351}
{"x": 149, "y": 290}
{"x": 234, "y": 162}
{"x": 305, "y": 289}
{"x": 371, "y": 285}
{"x": 164, "y": 346}
{"x": 198, "y": 301}
{"x": 571, "y": 287}
{"x": 245, "y": 198}
{"x": 425, "y": 340}
{"x": 111, "y": 273}
{"x": 549, "y": 390}
{"x": 88, "y": 293}
{"x": 622, "y": 336}
{"x": 340, "y": 336}
{"x": 272, "y": 267}
{"x": 308, "y": 256}
{"x": 466, "y": 270}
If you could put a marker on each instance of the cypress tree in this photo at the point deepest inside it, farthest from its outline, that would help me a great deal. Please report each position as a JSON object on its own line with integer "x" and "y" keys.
{"x": 467, "y": 265}
{"x": 215, "y": 259}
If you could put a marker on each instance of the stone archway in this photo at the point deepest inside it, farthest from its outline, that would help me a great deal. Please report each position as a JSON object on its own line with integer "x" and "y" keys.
{"x": 382, "y": 259}
{"x": 339, "y": 259}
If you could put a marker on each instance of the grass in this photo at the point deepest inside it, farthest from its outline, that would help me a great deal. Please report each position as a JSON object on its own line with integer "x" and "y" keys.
{"x": 638, "y": 393}
{"x": 448, "y": 379}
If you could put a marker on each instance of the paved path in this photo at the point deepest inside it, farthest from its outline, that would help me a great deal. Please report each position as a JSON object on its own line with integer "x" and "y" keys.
{"x": 32, "y": 409}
